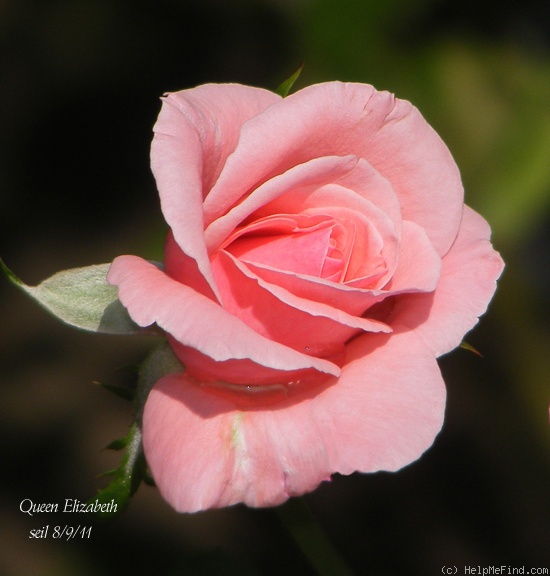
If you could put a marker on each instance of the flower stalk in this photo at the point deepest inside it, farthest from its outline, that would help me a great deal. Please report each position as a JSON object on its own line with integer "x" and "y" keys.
{"x": 297, "y": 518}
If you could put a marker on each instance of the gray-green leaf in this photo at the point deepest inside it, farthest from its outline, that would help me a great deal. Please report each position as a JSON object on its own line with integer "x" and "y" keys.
{"x": 81, "y": 297}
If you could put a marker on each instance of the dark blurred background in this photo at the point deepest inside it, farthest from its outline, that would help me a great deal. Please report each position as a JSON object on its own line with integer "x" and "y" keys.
{"x": 80, "y": 82}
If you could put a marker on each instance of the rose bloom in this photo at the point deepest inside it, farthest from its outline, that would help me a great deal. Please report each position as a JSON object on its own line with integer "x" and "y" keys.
{"x": 320, "y": 257}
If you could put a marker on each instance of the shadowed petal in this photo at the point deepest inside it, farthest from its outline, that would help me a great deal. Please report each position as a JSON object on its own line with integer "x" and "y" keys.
{"x": 196, "y": 321}
{"x": 308, "y": 326}
{"x": 204, "y": 452}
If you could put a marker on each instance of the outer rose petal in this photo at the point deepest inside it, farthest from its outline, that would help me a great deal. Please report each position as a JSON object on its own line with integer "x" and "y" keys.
{"x": 195, "y": 131}
{"x": 387, "y": 407}
{"x": 467, "y": 283}
{"x": 195, "y": 321}
{"x": 205, "y": 453}
{"x": 340, "y": 119}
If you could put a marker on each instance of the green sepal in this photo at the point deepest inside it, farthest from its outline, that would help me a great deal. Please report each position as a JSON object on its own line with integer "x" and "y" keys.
{"x": 120, "y": 391}
{"x": 82, "y": 298}
{"x": 107, "y": 473}
{"x": 118, "y": 444}
{"x": 127, "y": 477}
{"x": 470, "y": 348}
{"x": 160, "y": 362}
{"x": 148, "y": 479}
{"x": 284, "y": 88}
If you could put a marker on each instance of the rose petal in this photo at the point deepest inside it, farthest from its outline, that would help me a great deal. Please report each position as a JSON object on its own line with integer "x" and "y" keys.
{"x": 351, "y": 300}
{"x": 376, "y": 237}
{"x": 386, "y": 408}
{"x": 418, "y": 270}
{"x": 309, "y": 175}
{"x": 419, "y": 265}
{"x": 297, "y": 243}
{"x": 204, "y": 452}
{"x": 270, "y": 310}
{"x": 365, "y": 181}
{"x": 342, "y": 119}
{"x": 195, "y": 321}
{"x": 195, "y": 132}
{"x": 184, "y": 269}
{"x": 467, "y": 283}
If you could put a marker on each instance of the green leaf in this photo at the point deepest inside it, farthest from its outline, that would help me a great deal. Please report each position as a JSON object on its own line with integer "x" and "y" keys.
{"x": 284, "y": 88}
{"x": 81, "y": 297}
{"x": 127, "y": 477}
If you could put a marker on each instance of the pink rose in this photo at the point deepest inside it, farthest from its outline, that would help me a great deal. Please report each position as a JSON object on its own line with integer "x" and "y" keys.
{"x": 320, "y": 258}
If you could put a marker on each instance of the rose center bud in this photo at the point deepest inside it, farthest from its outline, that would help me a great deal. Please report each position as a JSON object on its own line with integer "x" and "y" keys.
{"x": 308, "y": 244}
{"x": 305, "y": 244}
